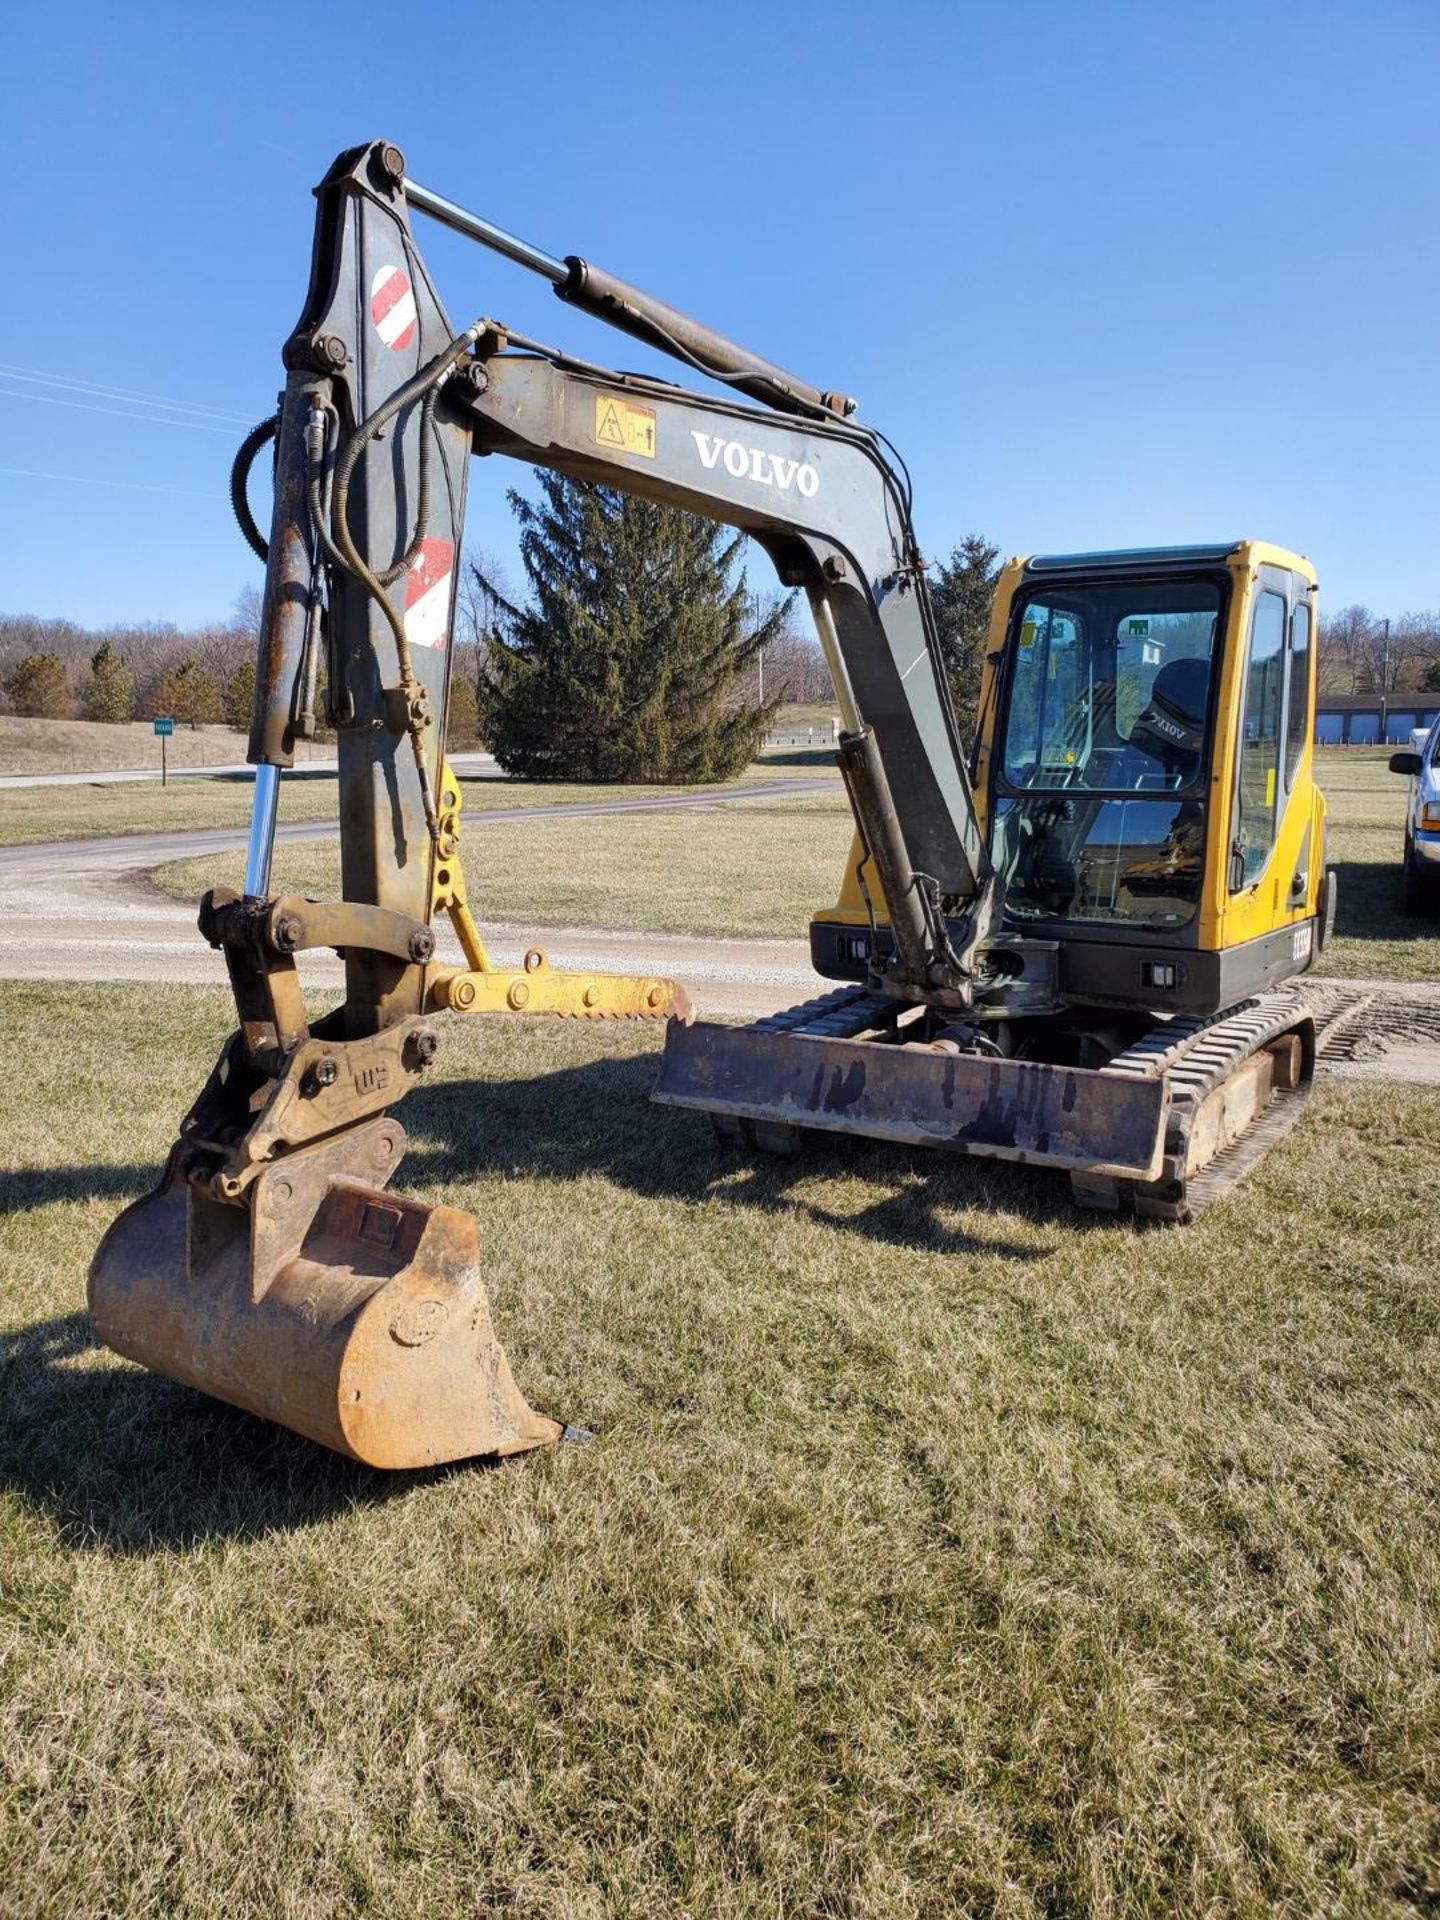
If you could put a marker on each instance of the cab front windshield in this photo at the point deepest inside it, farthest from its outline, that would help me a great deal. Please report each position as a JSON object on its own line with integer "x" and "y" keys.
{"x": 1100, "y": 798}
{"x": 1110, "y": 687}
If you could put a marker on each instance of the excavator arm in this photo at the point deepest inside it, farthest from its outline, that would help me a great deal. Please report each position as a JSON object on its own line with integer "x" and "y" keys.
{"x": 821, "y": 498}
{"x": 269, "y": 1268}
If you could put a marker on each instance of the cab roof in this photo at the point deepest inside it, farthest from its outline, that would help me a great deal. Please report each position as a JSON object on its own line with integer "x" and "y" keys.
{"x": 1163, "y": 559}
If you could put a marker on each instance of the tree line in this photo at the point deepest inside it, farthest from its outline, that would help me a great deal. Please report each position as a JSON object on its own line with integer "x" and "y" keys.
{"x": 637, "y": 651}
{"x": 58, "y": 670}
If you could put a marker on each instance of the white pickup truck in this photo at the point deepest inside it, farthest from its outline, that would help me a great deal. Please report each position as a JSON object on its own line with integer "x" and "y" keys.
{"x": 1421, "y": 881}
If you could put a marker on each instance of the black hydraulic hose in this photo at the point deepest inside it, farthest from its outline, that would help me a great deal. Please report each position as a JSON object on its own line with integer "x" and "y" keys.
{"x": 239, "y": 479}
{"x": 426, "y": 381}
{"x": 422, "y": 505}
{"x": 325, "y": 422}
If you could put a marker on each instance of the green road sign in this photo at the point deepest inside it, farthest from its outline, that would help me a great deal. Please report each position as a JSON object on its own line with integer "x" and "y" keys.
{"x": 164, "y": 728}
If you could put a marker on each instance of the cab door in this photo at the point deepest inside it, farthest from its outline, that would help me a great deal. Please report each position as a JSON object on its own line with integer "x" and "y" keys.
{"x": 1268, "y": 864}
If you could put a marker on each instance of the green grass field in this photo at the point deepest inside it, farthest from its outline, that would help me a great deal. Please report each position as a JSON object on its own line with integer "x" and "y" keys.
{"x": 763, "y": 867}
{"x": 939, "y": 1554}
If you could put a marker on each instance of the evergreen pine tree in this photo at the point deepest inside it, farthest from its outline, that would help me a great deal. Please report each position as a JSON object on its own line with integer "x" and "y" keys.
{"x": 240, "y": 696}
{"x": 462, "y": 716}
{"x": 38, "y": 687}
{"x": 109, "y": 693}
{"x": 962, "y": 594}
{"x": 188, "y": 694}
{"x": 623, "y": 665}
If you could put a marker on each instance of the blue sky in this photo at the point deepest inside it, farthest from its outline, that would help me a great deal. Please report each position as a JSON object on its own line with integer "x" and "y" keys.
{"x": 1108, "y": 274}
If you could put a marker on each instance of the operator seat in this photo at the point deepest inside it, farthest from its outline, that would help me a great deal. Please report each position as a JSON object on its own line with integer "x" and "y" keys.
{"x": 1172, "y": 727}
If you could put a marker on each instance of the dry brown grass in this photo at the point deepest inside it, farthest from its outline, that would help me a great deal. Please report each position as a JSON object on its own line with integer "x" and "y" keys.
{"x": 1366, "y": 837}
{"x": 939, "y": 1554}
{"x": 748, "y": 867}
{"x": 29, "y": 815}
{"x": 88, "y": 746}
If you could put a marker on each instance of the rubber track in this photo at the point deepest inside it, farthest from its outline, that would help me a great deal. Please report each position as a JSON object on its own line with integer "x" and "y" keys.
{"x": 1197, "y": 1060}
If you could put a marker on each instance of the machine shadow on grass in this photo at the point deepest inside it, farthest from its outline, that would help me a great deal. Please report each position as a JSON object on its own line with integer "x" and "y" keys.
{"x": 1368, "y": 903}
{"x": 599, "y": 1119}
{"x": 813, "y": 759}
{"x": 126, "y": 1462}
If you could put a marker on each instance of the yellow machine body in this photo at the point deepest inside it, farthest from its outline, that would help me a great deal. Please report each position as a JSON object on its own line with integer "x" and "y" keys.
{"x": 1258, "y": 918}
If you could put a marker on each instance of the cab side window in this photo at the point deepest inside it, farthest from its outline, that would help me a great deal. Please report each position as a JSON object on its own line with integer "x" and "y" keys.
{"x": 1297, "y": 727}
{"x": 1257, "y": 785}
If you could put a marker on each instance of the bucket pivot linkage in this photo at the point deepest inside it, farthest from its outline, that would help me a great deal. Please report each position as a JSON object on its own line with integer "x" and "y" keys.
{"x": 270, "y": 1267}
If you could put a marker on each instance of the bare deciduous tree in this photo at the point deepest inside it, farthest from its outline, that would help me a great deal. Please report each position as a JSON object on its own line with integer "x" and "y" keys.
{"x": 1361, "y": 652}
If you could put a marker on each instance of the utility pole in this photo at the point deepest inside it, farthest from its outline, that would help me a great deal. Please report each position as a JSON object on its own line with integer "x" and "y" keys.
{"x": 1385, "y": 684}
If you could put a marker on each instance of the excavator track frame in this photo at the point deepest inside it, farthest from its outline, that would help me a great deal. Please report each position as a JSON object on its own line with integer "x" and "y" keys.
{"x": 1201, "y": 1097}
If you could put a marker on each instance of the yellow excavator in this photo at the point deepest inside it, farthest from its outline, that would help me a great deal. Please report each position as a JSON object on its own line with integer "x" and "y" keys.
{"x": 1142, "y": 775}
{"x": 1067, "y": 947}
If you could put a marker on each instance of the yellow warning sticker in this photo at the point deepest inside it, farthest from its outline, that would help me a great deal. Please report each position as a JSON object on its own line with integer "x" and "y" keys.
{"x": 1027, "y": 634}
{"x": 621, "y": 424}
{"x": 1270, "y": 786}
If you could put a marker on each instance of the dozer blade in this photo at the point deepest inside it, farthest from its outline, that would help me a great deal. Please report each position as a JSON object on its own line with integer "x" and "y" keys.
{"x": 1050, "y": 1116}
{"x": 354, "y": 1316}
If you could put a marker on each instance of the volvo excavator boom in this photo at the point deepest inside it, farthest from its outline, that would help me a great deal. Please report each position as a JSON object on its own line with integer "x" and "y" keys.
{"x": 384, "y": 403}
{"x": 269, "y": 1268}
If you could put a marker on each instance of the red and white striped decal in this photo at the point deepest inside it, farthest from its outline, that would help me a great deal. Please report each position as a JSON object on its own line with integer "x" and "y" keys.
{"x": 427, "y": 594}
{"x": 392, "y": 307}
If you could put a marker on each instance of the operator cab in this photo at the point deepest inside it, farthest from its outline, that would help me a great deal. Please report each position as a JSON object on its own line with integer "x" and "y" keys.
{"x": 1143, "y": 769}
{"x": 1101, "y": 774}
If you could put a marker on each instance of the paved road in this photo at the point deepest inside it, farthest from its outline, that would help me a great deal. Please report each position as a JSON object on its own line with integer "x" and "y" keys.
{"x": 85, "y": 910}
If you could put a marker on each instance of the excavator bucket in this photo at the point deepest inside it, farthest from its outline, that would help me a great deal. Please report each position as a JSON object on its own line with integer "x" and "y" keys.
{"x": 357, "y": 1317}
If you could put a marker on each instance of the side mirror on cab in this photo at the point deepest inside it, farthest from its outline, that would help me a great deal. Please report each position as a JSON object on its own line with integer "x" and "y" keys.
{"x": 1406, "y": 763}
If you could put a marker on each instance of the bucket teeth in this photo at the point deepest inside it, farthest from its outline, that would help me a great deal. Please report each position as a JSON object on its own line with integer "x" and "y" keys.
{"x": 354, "y": 1316}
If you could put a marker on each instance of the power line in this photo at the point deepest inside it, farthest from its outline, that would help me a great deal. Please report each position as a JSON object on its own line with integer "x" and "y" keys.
{"x": 93, "y": 480}
{"x": 104, "y": 391}
{"x": 85, "y": 406}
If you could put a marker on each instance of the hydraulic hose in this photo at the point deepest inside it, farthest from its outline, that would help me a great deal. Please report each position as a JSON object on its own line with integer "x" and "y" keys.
{"x": 239, "y": 480}
{"x": 427, "y": 382}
